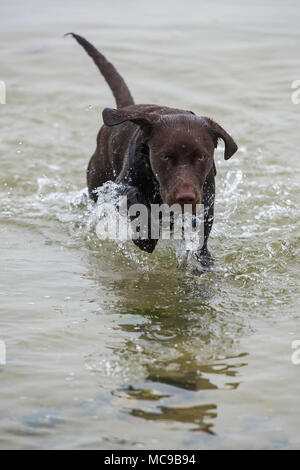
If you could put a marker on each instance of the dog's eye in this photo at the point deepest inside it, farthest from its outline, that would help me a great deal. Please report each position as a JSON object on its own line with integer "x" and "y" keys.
{"x": 200, "y": 157}
{"x": 166, "y": 157}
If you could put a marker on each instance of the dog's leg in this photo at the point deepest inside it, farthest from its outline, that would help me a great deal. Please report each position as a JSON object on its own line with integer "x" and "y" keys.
{"x": 134, "y": 196}
{"x": 203, "y": 256}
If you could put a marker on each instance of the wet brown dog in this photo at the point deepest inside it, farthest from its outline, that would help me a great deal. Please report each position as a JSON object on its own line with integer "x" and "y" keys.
{"x": 159, "y": 154}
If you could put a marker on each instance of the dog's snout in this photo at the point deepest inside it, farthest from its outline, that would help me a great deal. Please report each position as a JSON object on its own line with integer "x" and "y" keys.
{"x": 186, "y": 197}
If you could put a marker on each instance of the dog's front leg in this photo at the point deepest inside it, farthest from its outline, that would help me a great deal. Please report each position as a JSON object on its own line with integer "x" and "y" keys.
{"x": 203, "y": 256}
{"x": 140, "y": 218}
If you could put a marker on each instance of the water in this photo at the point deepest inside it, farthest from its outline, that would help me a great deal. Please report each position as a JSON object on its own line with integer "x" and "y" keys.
{"x": 108, "y": 347}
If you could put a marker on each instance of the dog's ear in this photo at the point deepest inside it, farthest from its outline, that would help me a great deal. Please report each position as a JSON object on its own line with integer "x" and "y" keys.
{"x": 113, "y": 117}
{"x": 219, "y": 133}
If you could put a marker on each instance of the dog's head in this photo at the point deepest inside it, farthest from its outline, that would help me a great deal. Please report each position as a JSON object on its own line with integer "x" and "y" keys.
{"x": 181, "y": 148}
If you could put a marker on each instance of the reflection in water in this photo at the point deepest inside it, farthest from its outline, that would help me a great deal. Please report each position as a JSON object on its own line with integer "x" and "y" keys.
{"x": 140, "y": 394}
{"x": 197, "y": 415}
{"x": 193, "y": 378}
{"x": 196, "y": 377}
{"x": 178, "y": 348}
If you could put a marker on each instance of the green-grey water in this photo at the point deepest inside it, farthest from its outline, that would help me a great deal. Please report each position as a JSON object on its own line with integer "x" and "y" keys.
{"x": 106, "y": 346}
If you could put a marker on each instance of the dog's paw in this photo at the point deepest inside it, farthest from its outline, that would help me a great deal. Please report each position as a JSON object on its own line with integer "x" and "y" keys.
{"x": 205, "y": 262}
{"x": 147, "y": 245}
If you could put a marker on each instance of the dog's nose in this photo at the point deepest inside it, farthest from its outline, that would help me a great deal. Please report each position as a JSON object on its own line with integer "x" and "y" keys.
{"x": 186, "y": 197}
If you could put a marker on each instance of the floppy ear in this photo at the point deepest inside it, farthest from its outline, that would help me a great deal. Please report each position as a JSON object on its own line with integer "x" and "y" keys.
{"x": 219, "y": 133}
{"x": 113, "y": 117}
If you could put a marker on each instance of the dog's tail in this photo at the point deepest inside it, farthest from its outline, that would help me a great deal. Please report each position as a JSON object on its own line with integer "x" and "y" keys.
{"x": 113, "y": 78}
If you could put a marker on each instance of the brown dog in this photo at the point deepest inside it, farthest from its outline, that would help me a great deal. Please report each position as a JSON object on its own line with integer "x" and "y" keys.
{"x": 160, "y": 154}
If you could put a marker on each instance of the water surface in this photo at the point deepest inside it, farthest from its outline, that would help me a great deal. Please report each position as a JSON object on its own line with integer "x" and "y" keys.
{"x": 108, "y": 347}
